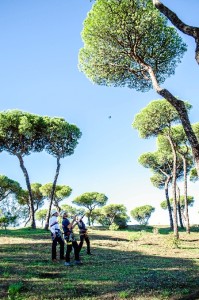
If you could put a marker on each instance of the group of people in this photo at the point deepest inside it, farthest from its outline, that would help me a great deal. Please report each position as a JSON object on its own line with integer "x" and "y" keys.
{"x": 69, "y": 237}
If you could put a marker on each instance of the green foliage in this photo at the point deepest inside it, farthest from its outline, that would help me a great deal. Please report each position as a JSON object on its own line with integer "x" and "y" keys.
{"x": 156, "y": 117}
{"x": 21, "y": 133}
{"x": 190, "y": 201}
{"x": 121, "y": 221}
{"x": 173, "y": 242}
{"x": 41, "y": 215}
{"x": 111, "y": 214}
{"x": 160, "y": 164}
{"x": 163, "y": 204}
{"x": 90, "y": 201}
{"x": 10, "y": 208}
{"x": 122, "y": 38}
{"x": 97, "y": 216}
{"x": 72, "y": 210}
{"x": 113, "y": 226}
{"x": 135, "y": 236}
{"x": 6, "y": 220}
{"x": 158, "y": 180}
{"x": 13, "y": 290}
{"x": 61, "y": 192}
{"x": 61, "y": 137}
{"x": 193, "y": 175}
{"x": 181, "y": 143}
{"x": 124, "y": 294}
{"x": 195, "y": 127}
{"x": 8, "y": 186}
{"x": 37, "y": 196}
{"x": 117, "y": 214}
{"x": 142, "y": 214}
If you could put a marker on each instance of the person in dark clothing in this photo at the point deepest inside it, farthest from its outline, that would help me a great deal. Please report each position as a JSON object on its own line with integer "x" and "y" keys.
{"x": 83, "y": 235}
{"x": 56, "y": 236}
{"x": 70, "y": 239}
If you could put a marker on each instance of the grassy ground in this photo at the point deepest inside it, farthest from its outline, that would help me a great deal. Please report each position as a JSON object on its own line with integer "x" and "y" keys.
{"x": 131, "y": 264}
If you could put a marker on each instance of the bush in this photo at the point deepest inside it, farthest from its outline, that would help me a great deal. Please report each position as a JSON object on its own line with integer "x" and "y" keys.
{"x": 113, "y": 227}
{"x": 173, "y": 242}
{"x": 135, "y": 236}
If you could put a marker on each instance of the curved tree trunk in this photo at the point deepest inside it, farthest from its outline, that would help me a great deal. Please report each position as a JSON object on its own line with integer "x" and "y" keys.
{"x": 186, "y": 29}
{"x": 52, "y": 193}
{"x": 179, "y": 208}
{"x": 168, "y": 201}
{"x": 182, "y": 112}
{"x": 31, "y": 202}
{"x": 27, "y": 222}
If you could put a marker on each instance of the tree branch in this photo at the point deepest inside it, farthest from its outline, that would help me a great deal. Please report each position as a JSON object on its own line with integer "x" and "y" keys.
{"x": 178, "y": 23}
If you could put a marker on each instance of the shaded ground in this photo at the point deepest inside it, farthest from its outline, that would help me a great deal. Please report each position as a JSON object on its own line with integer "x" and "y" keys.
{"x": 125, "y": 265}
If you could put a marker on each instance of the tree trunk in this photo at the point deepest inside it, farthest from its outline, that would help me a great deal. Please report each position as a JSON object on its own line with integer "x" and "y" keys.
{"x": 31, "y": 202}
{"x": 27, "y": 222}
{"x": 55, "y": 203}
{"x": 186, "y": 29}
{"x": 183, "y": 115}
{"x": 179, "y": 208}
{"x": 168, "y": 201}
{"x": 187, "y": 224}
{"x": 52, "y": 193}
{"x": 89, "y": 215}
{"x": 174, "y": 178}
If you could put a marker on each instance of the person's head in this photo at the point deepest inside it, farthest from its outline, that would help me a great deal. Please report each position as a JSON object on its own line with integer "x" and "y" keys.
{"x": 54, "y": 212}
{"x": 64, "y": 214}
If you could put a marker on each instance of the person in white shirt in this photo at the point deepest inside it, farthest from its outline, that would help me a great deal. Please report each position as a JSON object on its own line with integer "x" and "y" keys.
{"x": 56, "y": 236}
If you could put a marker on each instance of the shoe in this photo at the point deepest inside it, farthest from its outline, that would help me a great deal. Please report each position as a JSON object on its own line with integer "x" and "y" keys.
{"x": 78, "y": 262}
{"x": 67, "y": 264}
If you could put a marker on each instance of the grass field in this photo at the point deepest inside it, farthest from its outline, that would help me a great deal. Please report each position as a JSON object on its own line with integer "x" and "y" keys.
{"x": 138, "y": 263}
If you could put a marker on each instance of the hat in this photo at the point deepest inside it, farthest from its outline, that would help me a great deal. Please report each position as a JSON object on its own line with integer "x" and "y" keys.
{"x": 53, "y": 211}
{"x": 62, "y": 213}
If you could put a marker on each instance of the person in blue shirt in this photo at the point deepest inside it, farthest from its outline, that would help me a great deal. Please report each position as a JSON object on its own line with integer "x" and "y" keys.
{"x": 67, "y": 227}
{"x": 83, "y": 235}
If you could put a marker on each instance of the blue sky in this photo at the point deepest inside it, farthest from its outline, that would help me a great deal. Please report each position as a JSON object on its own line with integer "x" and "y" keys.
{"x": 40, "y": 41}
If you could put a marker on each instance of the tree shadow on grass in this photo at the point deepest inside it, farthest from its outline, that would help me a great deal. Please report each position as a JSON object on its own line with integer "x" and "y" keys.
{"x": 108, "y": 274}
{"x": 37, "y": 233}
{"x": 26, "y": 233}
{"x": 107, "y": 237}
